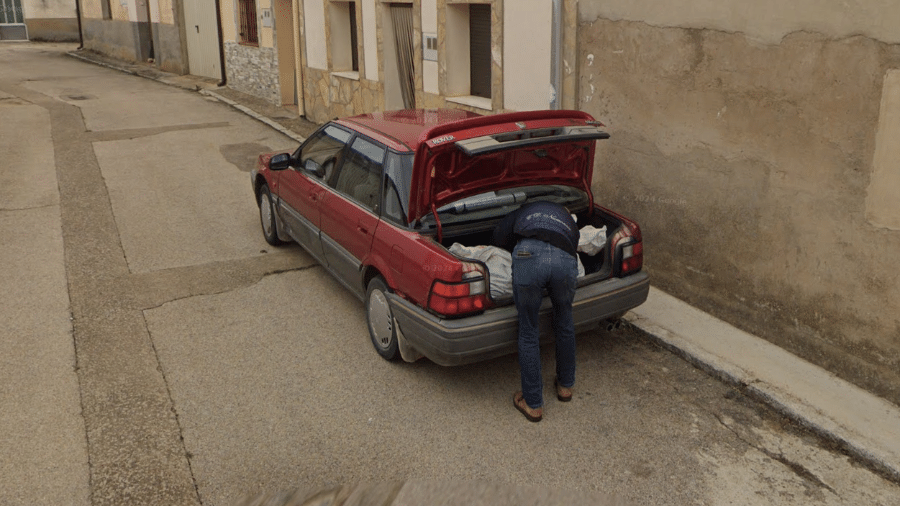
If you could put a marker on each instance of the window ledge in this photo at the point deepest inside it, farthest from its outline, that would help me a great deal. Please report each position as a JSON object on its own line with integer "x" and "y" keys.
{"x": 473, "y": 101}
{"x": 347, "y": 74}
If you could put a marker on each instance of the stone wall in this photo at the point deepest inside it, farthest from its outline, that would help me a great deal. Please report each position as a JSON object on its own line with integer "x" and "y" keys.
{"x": 253, "y": 70}
{"x": 747, "y": 162}
{"x": 329, "y": 96}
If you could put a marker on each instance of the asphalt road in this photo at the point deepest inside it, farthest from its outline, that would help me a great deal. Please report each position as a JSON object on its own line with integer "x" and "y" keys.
{"x": 156, "y": 350}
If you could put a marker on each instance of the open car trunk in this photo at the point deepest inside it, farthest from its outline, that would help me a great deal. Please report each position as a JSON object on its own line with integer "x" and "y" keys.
{"x": 597, "y": 267}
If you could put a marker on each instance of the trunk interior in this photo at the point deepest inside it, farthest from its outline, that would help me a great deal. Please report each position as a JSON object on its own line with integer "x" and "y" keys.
{"x": 596, "y": 267}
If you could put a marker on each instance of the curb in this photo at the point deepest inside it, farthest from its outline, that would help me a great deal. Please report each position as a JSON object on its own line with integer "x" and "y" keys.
{"x": 862, "y": 424}
{"x": 253, "y": 114}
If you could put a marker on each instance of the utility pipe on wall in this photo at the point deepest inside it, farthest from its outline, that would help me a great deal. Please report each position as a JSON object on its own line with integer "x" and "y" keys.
{"x": 556, "y": 55}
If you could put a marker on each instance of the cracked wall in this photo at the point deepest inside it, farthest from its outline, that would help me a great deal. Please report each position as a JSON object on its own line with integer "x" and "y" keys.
{"x": 747, "y": 158}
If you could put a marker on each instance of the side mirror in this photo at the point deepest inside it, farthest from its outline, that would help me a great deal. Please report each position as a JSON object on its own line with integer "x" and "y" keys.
{"x": 313, "y": 167}
{"x": 280, "y": 161}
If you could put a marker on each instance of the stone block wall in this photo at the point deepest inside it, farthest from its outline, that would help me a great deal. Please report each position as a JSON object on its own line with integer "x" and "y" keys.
{"x": 253, "y": 70}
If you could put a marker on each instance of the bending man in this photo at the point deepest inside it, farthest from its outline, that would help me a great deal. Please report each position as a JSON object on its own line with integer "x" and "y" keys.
{"x": 543, "y": 239}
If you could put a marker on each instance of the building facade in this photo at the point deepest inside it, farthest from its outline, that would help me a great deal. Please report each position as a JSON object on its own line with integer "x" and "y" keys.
{"x": 337, "y": 58}
{"x": 137, "y": 30}
{"x": 39, "y": 20}
{"x": 253, "y": 60}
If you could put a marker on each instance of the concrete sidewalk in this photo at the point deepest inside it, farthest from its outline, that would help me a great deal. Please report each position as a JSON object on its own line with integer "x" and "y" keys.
{"x": 864, "y": 425}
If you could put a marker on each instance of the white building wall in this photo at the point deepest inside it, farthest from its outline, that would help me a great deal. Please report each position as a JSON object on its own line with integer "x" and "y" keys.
{"x": 527, "y": 32}
{"x": 48, "y": 9}
{"x": 370, "y": 40}
{"x": 316, "y": 49}
{"x": 430, "y": 68}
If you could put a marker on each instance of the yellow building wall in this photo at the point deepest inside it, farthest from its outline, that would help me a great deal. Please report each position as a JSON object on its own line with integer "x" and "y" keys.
{"x": 166, "y": 12}
{"x": 266, "y": 34}
{"x": 226, "y": 11}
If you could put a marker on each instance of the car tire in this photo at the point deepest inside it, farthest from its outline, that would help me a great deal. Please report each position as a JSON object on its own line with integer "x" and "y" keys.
{"x": 380, "y": 319}
{"x": 267, "y": 217}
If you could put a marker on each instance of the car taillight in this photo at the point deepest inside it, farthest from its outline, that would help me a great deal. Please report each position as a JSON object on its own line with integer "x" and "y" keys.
{"x": 628, "y": 240}
{"x": 632, "y": 257}
{"x": 457, "y": 298}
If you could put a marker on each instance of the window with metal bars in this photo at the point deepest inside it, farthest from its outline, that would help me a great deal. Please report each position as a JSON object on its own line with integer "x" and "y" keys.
{"x": 11, "y": 12}
{"x": 247, "y": 14}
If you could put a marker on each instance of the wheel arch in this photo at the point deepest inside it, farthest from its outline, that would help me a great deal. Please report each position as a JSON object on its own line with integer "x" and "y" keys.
{"x": 376, "y": 266}
{"x": 258, "y": 183}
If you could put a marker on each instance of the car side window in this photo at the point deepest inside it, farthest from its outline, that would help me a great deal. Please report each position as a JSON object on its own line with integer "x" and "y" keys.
{"x": 398, "y": 176}
{"x": 360, "y": 175}
{"x": 324, "y": 150}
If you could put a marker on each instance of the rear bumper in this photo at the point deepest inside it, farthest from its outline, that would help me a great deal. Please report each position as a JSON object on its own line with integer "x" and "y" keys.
{"x": 495, "y": 332}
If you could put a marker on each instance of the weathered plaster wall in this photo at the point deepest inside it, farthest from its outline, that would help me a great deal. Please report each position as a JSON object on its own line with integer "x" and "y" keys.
{"x": 124, "y": 38}
{"x": 743, "y": 138}
{"x": 92, "y": 9}
{"x": 52, "y": 29}
{"x": 166, "y": 11}
{"x": 167, "y": 46}
{"x": 48, "y": 9}
{"x": 111, "y": 37}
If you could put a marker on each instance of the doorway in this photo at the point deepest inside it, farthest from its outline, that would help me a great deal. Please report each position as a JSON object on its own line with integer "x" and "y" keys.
{"x": 399, "y": 67}
{"x": 144, "y": 32}
{"x": 201, "y": 27}
{"x": 284, "y": 40}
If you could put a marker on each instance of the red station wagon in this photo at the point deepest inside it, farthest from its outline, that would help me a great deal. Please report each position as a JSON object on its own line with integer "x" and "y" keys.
{"x": 378, "y": 199}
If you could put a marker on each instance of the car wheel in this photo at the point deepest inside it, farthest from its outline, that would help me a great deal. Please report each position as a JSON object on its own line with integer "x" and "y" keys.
{"x": 380, "y": 319}
{"x": 267, "y": 217}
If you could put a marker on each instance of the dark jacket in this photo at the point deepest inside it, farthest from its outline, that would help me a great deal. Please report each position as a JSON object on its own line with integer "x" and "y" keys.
{"x": 546, "y": 221}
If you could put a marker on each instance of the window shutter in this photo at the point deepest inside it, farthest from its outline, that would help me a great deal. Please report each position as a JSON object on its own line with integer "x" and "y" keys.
{"x": 480, "y": 49}
{"x": 354, "y": 51}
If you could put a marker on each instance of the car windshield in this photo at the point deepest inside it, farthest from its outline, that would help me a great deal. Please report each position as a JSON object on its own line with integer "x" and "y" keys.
{"x": 494, "y": 204}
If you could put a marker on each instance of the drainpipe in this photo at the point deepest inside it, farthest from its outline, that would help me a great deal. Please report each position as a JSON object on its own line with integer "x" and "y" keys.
{"x": 150, "y": 29}
{"x": 299, "y": 46}
{"x": 224, "y": 74}
{"x": 80, "y": 32}
{"x": 556, "y": 37}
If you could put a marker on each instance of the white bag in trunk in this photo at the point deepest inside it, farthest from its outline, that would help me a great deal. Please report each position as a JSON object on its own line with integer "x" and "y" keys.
{"x": 499, "y": 264}
{"x": 591, "y": 240}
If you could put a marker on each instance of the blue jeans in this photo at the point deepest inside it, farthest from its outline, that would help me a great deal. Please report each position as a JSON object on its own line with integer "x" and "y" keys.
{"x": 537, "y": 265}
